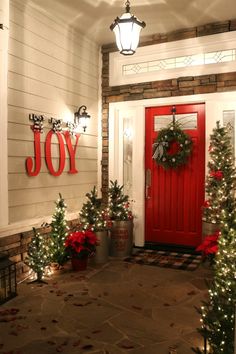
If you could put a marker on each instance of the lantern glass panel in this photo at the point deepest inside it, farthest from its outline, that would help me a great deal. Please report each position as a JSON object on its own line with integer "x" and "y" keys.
{"x": 127, "y": 32}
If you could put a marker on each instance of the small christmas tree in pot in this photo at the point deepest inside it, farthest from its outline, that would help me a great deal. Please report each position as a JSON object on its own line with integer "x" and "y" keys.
{"x": 58, "y": 234}
{"x": 220, "y": 181}
{"x": 92, "y": 217}
{"x": 122, "y": 221}
{"x": 38, "y": 258}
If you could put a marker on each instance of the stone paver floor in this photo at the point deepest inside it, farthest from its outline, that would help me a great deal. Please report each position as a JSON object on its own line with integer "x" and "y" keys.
{"x": 114, "y": 308}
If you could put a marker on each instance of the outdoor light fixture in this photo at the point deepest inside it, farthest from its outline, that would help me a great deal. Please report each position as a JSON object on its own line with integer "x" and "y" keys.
{"x": 7, "y": 279}
{"x": 81, "y": 117}
{"x": 127, "y": 30}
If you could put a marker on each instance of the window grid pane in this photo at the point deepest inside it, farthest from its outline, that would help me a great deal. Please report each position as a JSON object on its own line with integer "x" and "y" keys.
{"x": 221, "y": 56}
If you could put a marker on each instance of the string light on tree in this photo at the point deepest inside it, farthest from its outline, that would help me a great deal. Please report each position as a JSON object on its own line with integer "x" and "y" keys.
{"x": 118, "y": 206}
{"x": 38, "y": 255}
{"x": 58, "y": 233}
{"x": 220, "y": 182}
{"x": 91, "y": 215}
{"x": 218, "y": 314}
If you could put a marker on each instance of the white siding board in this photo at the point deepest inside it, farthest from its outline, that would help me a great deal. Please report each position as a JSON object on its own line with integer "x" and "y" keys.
{"x": 36, "y": 57}
{"x": 17, "y": 32}
{"x": 18, "y": 65}
{"x": 34, "y": 196}
{"x": 46, "y": 179}
{"x": 22, "y": 83}
{"x": 42, "y": 209}
{"x": 36, "y": 103}
{"x": 36, "y": 22}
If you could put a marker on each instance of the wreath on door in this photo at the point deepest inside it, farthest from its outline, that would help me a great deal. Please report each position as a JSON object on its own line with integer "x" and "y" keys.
{"x": 172, "y": 147}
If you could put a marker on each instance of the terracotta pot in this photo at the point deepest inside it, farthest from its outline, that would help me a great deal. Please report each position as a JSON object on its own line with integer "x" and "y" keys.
{"x": 79, "y": 263}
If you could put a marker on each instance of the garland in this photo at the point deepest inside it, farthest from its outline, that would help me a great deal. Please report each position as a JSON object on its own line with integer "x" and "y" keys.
{"x": 167, "y": 136}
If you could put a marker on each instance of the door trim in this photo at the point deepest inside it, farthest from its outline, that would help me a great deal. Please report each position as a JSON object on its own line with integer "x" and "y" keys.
{"x": 215, "y": 103}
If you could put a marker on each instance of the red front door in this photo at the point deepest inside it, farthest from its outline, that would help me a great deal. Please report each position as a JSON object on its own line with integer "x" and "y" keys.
{"x": 175, "y": 196}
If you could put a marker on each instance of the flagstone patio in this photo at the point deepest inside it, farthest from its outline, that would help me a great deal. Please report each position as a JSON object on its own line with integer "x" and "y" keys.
{"x": 115, "y": 308}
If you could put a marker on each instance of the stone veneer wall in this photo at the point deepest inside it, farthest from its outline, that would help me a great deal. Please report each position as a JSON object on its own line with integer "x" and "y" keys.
{"x": 191, "y": 85}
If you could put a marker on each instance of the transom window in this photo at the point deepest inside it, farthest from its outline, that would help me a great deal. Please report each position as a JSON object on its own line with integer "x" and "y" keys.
{"x": 221, "y": 56}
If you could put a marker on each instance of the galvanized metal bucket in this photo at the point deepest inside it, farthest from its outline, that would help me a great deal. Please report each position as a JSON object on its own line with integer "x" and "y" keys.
{"x": 102, "y": 250}
{"x": 209, "y": 228}
{"x": 121, "y": 243}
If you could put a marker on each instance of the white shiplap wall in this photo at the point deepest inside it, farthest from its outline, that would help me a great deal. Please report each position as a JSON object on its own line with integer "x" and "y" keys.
{"x": 51, "y": 70}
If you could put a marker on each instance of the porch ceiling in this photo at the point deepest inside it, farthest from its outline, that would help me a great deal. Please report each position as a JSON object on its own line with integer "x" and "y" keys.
{"x": 94, "y": 17}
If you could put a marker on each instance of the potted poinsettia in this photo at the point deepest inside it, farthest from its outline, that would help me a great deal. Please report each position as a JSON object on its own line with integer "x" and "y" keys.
{"x": 80, "y": 245}
{"x": 93, "y": 217}
{"x": 122, "y": 221}
{"x": 209, "y": 247}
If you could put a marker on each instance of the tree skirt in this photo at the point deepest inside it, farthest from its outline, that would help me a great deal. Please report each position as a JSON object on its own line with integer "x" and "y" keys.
{"x": 166, "y": 259}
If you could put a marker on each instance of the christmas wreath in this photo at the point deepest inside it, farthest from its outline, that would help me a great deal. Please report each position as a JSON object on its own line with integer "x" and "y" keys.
{"x": 168, "y": 137}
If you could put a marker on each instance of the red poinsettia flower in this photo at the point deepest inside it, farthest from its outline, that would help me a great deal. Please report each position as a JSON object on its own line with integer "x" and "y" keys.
{"x": 209, "y": 246}
{"x": 206, "y": 204}
{"x": 80, "y": 244}
{"x": 217, "y": 175}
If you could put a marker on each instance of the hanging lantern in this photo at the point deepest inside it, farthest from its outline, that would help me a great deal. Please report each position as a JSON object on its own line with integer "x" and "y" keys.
{"x": 81, "y": 117}
{"x": 127, "y": 30}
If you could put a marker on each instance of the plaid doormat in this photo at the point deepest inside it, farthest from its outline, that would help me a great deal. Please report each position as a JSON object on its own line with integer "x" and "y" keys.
{"x": 175, "y": 260}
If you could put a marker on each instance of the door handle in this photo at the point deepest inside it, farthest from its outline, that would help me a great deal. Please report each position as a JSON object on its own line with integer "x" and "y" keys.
{"x": 148, "y": 183}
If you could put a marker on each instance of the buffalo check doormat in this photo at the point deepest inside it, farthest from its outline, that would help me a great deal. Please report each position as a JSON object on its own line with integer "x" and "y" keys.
{"x": 166, "y": 259}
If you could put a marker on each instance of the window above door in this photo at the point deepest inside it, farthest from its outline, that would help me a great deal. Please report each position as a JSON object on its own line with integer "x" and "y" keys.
{"x": 189, "y": 57}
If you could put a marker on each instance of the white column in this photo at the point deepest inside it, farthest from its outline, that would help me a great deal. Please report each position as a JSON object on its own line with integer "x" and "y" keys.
{"x": 4, "y": 34}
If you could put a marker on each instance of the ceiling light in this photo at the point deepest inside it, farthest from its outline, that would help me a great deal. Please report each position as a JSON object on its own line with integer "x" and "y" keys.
{"x": 127, "y": 30}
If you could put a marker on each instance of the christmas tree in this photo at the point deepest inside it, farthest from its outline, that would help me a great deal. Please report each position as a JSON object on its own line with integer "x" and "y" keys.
{"x": 218, "y": 314}
{"x": 91, "y": 214}
{"x": 220, "y": 181}
{"x": 118, "y": 206}
{"x": 58, "y": 233}
{"x": 38, "y": 255}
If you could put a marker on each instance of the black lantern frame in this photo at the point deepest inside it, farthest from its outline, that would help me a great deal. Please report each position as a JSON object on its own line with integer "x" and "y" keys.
{"x": 119, "y": 26}
{"x": 81, "y": 117}
{"x": 8, "y": 284}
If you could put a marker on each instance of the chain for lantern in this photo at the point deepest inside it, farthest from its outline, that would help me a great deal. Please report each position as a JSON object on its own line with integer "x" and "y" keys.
{"x": 127, "y": 6}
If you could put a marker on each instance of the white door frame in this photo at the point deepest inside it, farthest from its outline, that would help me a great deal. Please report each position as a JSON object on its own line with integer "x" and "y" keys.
{"x": 215, "y": 104}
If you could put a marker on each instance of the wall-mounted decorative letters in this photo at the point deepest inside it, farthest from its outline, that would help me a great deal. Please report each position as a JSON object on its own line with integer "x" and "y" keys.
{"x": 33, "y": 165}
